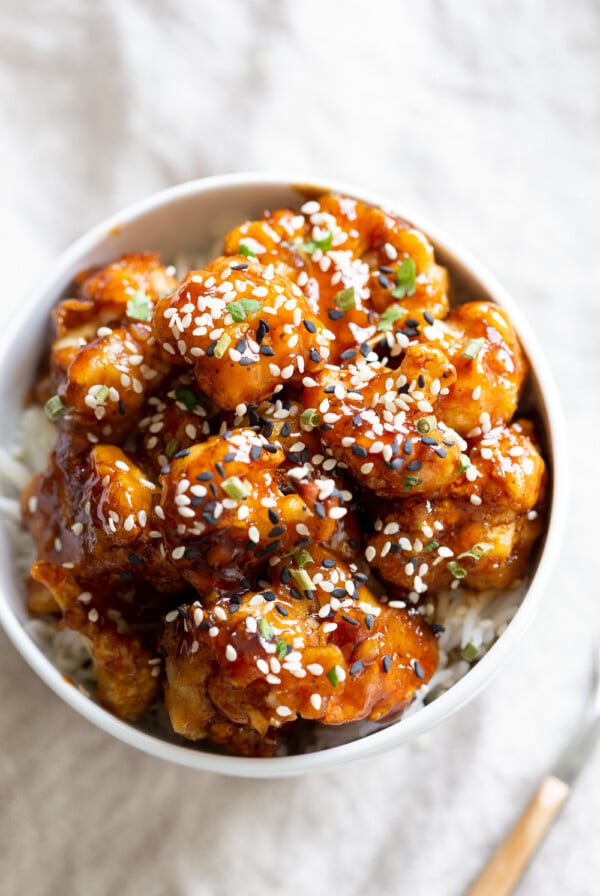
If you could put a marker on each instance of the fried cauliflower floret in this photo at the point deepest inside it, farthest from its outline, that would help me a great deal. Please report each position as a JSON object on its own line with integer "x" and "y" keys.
{"x": 351, "y": 260}
{"x": 382, "y": 423}
{"x": 127, "y": 684}
{"x": 109, "y": 380}
{"x": 116, "y": 294}
{"x": 315, "y": 644}
{"x": 481, "y": 343}
{"x": 243, "y": 328}
{"x": 227, "y": 505}
{"x": 93, "y": 509}
{"x": 481, "y": 533}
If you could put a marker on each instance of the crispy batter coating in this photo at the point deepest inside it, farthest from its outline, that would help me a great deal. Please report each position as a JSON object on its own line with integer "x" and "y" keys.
{"x": 316, "y": 643}
{"x": 243, "y": 328}
{"x": 381, "y": 423}
{"x": 481, "y": 532}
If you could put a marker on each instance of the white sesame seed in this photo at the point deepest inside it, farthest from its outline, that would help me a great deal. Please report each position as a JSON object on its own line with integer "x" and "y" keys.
{"x": 231, "y": 653}
{"x": 220, "y": 613}
{"x": 316, "y": 701}
{"x": 329, "y": 627}
{"x": 93, "y": 615}
{"x": 315, "y": 669}
{"x": 476, "y": 500}
{"x": 177, "y": 553}
{"x": 370, "y": 554}
{"x": 85, "y": 597}
{"x": 172, "y": 616}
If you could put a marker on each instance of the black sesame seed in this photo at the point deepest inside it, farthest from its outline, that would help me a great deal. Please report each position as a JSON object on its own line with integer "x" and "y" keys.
{"x": 328, "y": 562}
{"x": 231, "y": 455}
{"x": 209, "y": 518}
{"x": 409, "y": 332}
{"x": 315, "y": 356}
{"x": 255, "y": 452}
{"x": 269, "y": 595}
{"x": 326, "y": 427}
{"x": 429, "y": 440}
{"x": 309, "y": 326}
{"x": 182, "y": 612}
{"x": 359, "y": 451}
{"x": 213, "y": 489}
{"x": 329, "y": 390}
{"x": 428, "y": 317}
{"x": 183, "y": 453}
{"x": 387, "y": 663}
{"x": 196, "y": 501}
{"x": 267, "y": 351}
{"x": 164, "y": 471}
{"x": 437, "y": 629}
{"x": 386, "y": 269}
{"x": 408, "y": 447}
{"x": 441, "y": 452}
{"x": 449, "y": 443}
{"x": 271, "y": 449}
{"x": 339, "y": 592}
{"x": 239, "y": 267}
{"x": 414, "y": 465}
{"x": 395, "y": 548}
{"x": 241, "y": 346}
{"x": 365, "y": 349}
{"x": 356, "y": 420}
{"x": 297, "y": 594}
{"x": 211, "y": 349}
{"x": 411, "y": 322}
{"x": 220, "y": 468}
{"x": 383, "y": 281}
{"x": 276, "y": 531}
{"x": 403, "y": 390}
{"x": 348, "y": 355}
{"x": 349, "y": 620}
{"x": 273, "y": 516}
{"x": 281, "y": 610}
{"x": 419, "y": 670}
{"x": 121, "y": 407}
{"x": 262, "y": 330}
{"x": 356, "y": 667}
{"x": 396, "y": 463}
{"x": 285, "y": 430}
{"x": 134, "y": 559}
{"x": 369, "y": 621}
{"x": 286, "y": 575}
{"x": 335, "y": 314}
{"x": 394, "y": 446}
{"x": 246, "y": 362}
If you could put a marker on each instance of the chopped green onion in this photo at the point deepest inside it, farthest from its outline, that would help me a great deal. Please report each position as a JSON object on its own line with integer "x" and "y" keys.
{"x": 389, "y": 317}
{"x": 311, "y": 246}
{"x": 345, "y": 299}
{"x": 222, "y": 345}
{"x": 472, "y": 348}
{"x": 235, "y": 488}
{"x": 432, "y": 545}
{"x": 477, "y": 551}
{"x": 303, "y": 558}
{"x": 187, "y": 398}
{"x": 102, "y": 394}
{"x": 470, "y": 652}
{"x": 265, "y": 629}
{"x": 282, "y": 648}
{"x": 240, "y": 309}
{"x": 139, "y": 306}
{"x": 302, "y": 579}
{"x": 333, "y": 676}
{"x": 455, "y": 569}
{"x": 54, "y": 408}
{"x": 310, "y": 417}
{"x": 172, "y": 448}
{"x": 426, "y": 424}
{"x": 411, "y": 482}
{"x": 406, "y": 279}
{"x": 245, "y": 251}
{"x": 465, "y": 463}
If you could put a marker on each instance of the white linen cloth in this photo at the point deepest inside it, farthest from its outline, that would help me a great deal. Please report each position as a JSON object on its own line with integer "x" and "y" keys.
{"x": 484, "y": 117}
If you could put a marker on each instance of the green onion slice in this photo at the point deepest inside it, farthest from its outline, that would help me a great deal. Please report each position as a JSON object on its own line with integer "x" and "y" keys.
{"x": 465, "y": 463}
{"x": 235, "y": 488}
{"x": 411, "y": 482}
{"x": 282, "y": 648}
{"x": 310, "y": 417}
{"x": 406, "y": 279}
{"x": 311, "y": 245}
{"x": 239, "y": 310}
{"x": 469, "y": 652}
{"x": 54, "y": 408}
{"x": 245, "y": 251}
{"x": 172, "y": 448}
{"x": 302, "y": 579}
{"x": 472, "y": 348}
{"x": 346, "y": 299}
{"x": 139, "y": 306}
{"x": 303, "y": 558}
{"x": 222, "y": 345}
{"x": 332, "y": 675}
{"x": 389, "y": 317}
{"x": 426, "y": 424}
{"x": 265, "y": 629}
{"x": 455, "y": 569}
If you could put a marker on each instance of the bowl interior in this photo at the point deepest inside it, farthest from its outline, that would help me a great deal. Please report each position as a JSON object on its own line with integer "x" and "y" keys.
{"x": 191, "y": 219}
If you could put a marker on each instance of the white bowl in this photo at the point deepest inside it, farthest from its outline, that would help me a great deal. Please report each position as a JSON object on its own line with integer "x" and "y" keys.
{"x": 186, "y": 218}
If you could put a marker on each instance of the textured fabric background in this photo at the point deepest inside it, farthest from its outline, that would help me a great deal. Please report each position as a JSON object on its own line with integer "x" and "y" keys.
{"x": 485, "y": 117}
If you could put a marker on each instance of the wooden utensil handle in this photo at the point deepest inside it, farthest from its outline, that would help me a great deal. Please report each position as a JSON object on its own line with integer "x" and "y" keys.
{"x": 503, "y": 871}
